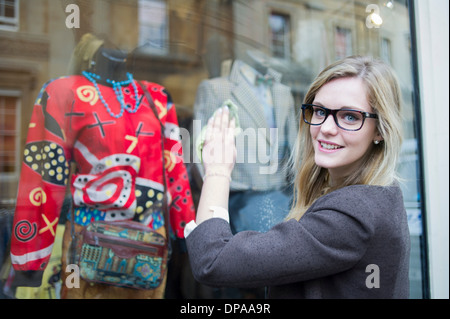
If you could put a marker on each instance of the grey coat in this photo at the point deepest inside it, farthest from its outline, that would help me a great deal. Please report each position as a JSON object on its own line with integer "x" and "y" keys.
{"x": 351, "y": 243}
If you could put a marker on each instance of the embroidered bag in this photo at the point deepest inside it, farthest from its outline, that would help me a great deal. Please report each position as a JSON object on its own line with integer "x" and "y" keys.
{"x": 122, "y": 253}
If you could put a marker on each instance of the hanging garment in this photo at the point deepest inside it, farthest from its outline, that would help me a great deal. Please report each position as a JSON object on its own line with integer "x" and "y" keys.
{"x": 258, "y": 197}
{"x": 115, "y": 145}
{"x": 261, "y": 154}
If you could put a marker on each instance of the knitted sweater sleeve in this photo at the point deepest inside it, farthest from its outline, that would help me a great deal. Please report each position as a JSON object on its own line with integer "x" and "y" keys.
{"x": 42, "y": 188}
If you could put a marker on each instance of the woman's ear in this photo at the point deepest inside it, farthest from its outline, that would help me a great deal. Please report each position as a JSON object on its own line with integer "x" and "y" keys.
{"x": 378, "y": 138}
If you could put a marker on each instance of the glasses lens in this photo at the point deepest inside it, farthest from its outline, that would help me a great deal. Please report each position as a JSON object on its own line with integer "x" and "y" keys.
{"x": 314, "y": 115}
{"x": 349, "y": 120}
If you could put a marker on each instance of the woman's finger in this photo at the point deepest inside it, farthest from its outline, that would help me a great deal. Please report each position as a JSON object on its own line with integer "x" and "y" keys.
{"x": 218, "y": 119}
{"x": 225, "y": 118}
{"x": 209, "y": 134}
{"x": 232, "y": 128}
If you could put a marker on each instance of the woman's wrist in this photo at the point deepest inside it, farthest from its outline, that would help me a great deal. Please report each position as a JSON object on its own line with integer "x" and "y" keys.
{"x": 217, "y": 173}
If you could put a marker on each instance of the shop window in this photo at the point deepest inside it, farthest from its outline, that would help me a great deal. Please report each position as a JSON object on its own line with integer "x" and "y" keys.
{"x": 9, "y": 134}
{"x": 9, "y": 15}
{"x": 279, "y": 25}
{"x": 386, "y": 50}
{"x": 342, "y": 42}
{"x": 153, "y": 26}
{"x": 184, "y": 42}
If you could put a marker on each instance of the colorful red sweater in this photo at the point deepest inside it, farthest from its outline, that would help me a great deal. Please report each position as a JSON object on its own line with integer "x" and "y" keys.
{"x": 118, "y": 165}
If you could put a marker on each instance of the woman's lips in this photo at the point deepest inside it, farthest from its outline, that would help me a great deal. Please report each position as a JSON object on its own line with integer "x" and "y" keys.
{"x": 329, "y": 146}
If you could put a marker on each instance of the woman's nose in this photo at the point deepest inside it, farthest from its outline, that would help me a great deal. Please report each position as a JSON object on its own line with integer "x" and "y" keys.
{"x": 329, "y": 126}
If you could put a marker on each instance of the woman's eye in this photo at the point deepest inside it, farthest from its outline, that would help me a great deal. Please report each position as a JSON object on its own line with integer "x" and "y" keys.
{"x": 351, "y": 117}
{"x": 319, "y": 112}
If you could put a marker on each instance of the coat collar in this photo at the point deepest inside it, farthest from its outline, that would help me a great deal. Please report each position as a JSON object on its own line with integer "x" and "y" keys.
{"x": 238, "y": 66}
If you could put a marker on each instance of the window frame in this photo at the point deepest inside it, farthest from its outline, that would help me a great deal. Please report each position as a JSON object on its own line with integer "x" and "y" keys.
{"x": 7, "y": 176}
{"x": 287, "y": 45}
{"x": 7, "y": 23}
{"x": 144, "y": 46}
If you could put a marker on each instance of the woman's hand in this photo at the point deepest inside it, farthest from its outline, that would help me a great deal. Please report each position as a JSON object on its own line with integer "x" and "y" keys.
{"x": 219, "y": 154}
{"x": 219, "y": 151}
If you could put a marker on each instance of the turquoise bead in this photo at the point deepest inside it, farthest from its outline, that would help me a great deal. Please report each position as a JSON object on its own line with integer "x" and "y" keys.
{"x": 117, "y": 87}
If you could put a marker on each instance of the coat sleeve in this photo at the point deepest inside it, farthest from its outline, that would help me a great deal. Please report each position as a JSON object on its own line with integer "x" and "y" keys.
{"x": 42, "y": 188}
{"x": 324, "y": 242}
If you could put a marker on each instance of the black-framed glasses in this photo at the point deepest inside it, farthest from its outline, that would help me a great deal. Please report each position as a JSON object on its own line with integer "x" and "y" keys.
{"x": 346, "y": 119}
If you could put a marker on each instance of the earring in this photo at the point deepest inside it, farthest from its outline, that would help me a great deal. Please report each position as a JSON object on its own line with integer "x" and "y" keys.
{"x": 376, "y": 142}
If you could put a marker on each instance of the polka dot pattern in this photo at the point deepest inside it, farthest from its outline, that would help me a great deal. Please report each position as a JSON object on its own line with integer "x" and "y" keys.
{"x": 149, "y": 205}
{"x": 48, "y": 160}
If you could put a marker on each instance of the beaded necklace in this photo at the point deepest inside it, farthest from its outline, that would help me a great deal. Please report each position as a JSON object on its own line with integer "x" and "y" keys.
{"x": 117, "y": 86}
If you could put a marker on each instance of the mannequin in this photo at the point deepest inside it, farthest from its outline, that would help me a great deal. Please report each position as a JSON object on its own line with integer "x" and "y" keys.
{"x": 101, "y": 122}
{"x": 109, "y": 64}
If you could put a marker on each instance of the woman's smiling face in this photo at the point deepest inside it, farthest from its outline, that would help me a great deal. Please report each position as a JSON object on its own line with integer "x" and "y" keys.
{"x": 335, "y": 149}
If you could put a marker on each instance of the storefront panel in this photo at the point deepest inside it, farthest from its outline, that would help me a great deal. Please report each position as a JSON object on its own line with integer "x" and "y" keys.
{"x": 180, "y": 43}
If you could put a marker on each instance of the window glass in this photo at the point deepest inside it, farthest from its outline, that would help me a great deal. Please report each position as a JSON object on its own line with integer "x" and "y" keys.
{"x": 9, "y": 14}
{"x": 153, "y": 26}
{"x": 279, "y": 34}
{"x": 9, "y": 134}
{"x": 180, "y": 43}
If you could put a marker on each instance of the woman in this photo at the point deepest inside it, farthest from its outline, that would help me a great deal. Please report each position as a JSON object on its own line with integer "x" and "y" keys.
{"x": 347, "y": 234}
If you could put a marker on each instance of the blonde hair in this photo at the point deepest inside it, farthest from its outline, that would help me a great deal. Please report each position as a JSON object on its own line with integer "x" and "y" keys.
{"x": 84, "y": 53}
{"x": 379, "y": 164}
